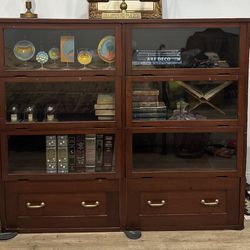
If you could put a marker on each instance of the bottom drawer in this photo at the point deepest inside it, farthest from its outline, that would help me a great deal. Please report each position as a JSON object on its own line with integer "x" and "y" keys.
{"x": 171, "y": 204}
{"x": 83, "y": 205}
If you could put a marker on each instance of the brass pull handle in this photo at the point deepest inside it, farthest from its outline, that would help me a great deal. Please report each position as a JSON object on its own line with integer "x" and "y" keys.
{"x": 156, "y": 204}
{"x": 28, "y": 204}
{"x": 96, "y": 204}
{"x": 213, "y": 203}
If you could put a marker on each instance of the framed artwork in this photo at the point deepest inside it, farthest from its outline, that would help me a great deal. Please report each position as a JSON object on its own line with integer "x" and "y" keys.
{"x": 67, "y": 49}
{"x": 148, "y": 10}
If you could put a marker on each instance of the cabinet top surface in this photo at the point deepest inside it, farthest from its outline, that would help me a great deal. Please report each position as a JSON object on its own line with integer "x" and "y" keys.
{"x": 123, "y": 21}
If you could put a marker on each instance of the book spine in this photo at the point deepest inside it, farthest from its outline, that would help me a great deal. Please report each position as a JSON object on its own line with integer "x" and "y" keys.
{"x": 72, "y": 152}
{"x": 99, "y": 153}
{"x": 90, "y": 145}
{"x": 149, "y": 63}
{"x": 51, "y": 154}
{"x": 108, "y": 142}
{"x": 146, "y": 92}
{"x": 108, "y": 112}
{"x": 147, "y": 104}
{"x": 62, "y": 153}
{"x": 80, "y": 153}
{"x": 144, "y": 98}
{"x": 150, "y": 115}
{"x": 149, "y": 109}
{"x": 103, "y": 106}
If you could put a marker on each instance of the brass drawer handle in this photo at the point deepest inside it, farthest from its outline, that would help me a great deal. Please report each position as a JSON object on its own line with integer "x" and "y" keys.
{"x": 213, "y": 203}
{"x": 96, "y": 204}
{"x": 156, "y": 204}
{"x": 28, "y": 204}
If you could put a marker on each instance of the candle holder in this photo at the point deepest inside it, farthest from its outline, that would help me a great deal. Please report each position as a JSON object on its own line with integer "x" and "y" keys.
{"x": 28, "y": 13}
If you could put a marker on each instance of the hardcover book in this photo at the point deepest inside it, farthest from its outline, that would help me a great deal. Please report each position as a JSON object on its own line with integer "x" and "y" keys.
{"x": 105, "y": 112}
{"x": 146, "y": 92}
{"x": 90, "y": 145}
{"x": 150, "y": 115}
{"x": 62, "y": 153}
{"x": 106, "y": 99}
{"x": 51, "y": 154}
{"x": 72, "y": 152}
{"x": 80, "y": 153}
{"x": 99, "y": 153}
{"x": 147, "y": 104}
{"x": 145, "y": 98}
{"x": 150, "y": 109}
{"x": 108, "y": 142}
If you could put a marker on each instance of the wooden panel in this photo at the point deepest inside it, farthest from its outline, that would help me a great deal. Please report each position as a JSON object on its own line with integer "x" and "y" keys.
{"x": 177, "y": 203}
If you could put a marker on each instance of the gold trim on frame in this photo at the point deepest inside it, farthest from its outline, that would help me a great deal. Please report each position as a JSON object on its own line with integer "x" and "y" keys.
{"x": 156, "y": 13}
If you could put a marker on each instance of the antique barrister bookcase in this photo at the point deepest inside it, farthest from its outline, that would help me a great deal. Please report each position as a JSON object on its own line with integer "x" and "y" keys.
{"x": 123, "y": 125}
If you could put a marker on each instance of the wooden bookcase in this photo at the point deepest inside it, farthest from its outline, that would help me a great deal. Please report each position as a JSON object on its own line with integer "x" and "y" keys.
{"x": 177, "y": 165}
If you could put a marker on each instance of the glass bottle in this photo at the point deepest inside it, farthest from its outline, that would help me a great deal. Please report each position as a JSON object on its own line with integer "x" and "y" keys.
{"x": 50, "y": 113}
{"x": 29, "y": 114}
{"x": 14, "y": 113}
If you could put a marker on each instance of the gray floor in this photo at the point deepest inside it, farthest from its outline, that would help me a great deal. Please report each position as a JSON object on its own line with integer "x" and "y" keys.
{"x": 179, "y": 240}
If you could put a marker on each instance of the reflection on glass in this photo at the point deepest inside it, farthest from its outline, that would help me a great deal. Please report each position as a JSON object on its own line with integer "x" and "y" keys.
{"x": 185, "y": 48}
{"x": 184, "y": 100}
{"x": 185, "y": 151}
{"x": 51, "y": 154}
{"x": 77, "y": 101}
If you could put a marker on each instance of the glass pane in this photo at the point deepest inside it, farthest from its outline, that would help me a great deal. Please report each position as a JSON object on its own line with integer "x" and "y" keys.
{"x": 185, "y": 100}
{"x": 58, "y": 102}
{"x": 184, "y": 151}
{"x": 32, "y": 49}
{"x": 185, "y": 48}
{"x": 39, "y": 154}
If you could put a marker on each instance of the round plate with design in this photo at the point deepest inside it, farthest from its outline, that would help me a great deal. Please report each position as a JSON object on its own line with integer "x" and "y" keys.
{"x": 24, "y": 50}
{"x": 106, "y": 49}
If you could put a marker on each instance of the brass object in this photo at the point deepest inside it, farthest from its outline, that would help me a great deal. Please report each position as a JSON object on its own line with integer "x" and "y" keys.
{"x": 213, "y": 203}
{"x": 28, "y": 13}
{"x": 156, "y": 204}
{"x": 131, "y": 9}
{"x": 96, "y": 204}
{"x": 28, "y": 204}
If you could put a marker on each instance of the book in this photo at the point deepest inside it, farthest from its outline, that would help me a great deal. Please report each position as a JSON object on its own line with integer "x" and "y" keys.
{"x": 150, "y": 109}
{"x": 72, "y": 152}
{"x": 80, "y": 153}
{"x": 51, "y": 154}
{"x": 155, "y": 62}
{"x": 146, "y": 92}
{"x": 62, "y": 154}
{"x": 90, "y": 153}
{"x": 108, "y": 112}
{"x": 108, "y": 143}
{"x": 147, "y": 104}
{"x": 99, "y": 153}
{"x": 106, "y": 99}
{"x": 150, "y": 115}
{"x": 104, "y": 106}
{"x": 106, "y": 118}
{"x": 144, "y": 98}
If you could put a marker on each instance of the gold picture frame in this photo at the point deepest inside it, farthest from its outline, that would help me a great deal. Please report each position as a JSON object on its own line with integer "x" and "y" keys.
{"x": 148, "y": 10}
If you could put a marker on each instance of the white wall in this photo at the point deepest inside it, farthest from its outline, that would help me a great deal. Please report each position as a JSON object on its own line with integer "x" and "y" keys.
{"x": 171, "y": 9}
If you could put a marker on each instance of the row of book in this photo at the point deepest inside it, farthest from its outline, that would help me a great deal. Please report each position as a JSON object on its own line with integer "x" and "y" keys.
{"x": 147, "y": 106}
{"x": 157, "y": 57}
{"x": 105, "y": 107}
{"x": 79, "y": 153}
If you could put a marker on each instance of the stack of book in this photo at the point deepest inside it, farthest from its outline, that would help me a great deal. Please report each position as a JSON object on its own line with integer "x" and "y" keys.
{"x": 79, "y": 153}
{"x": 146, "y": 105}
{"x": 157, "y": 57}
{"x": 105, "y": 107}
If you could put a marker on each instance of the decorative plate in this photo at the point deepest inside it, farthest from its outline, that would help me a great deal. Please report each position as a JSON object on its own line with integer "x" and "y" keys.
{"x": 106, "y": 49}
{"x": 24, "y": 50}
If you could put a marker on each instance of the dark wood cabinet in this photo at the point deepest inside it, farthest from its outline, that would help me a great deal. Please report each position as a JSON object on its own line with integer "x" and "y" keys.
{"x": 123, "y": 125}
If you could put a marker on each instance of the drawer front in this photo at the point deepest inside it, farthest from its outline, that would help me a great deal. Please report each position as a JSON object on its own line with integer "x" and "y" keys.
{"x": 189, "y": 204}
{"x": 84, "y": 205}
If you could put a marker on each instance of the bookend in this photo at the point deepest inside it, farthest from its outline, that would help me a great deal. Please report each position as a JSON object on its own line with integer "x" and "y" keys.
{"x": 133, "y": 235}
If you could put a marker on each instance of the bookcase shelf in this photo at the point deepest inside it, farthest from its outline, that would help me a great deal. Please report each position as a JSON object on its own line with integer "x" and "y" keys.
{"x": 153, "y": 112}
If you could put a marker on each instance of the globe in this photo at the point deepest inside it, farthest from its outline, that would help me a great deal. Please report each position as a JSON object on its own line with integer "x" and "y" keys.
{"x": 24, "y": 50}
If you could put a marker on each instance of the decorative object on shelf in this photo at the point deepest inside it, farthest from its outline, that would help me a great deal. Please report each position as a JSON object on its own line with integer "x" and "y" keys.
{"x": 54, "y": 55}
{"x": 28, "y": 13}
{"x": 135, "y": 9}
{"x": 50, "y": 113}
{"x": 29, "y": 114}
{"x": 106, "y": 49}
{"x": 42, "y": 57}
{"x": 67, "y": 49}
{"x": 84, "y": 57}
{"x": 24, "y": 50}
{"x": 14, "y": 113}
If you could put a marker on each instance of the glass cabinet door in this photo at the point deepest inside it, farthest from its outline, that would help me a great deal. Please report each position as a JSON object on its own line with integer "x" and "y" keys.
{"x": 60, "y": 101}
{"x": 184, "y": 151}
{"x": 85, "y": 50}
{"x": 188, "y": 47}
{"x": 185, "y": 100}
{"x": 61, "y": 154}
